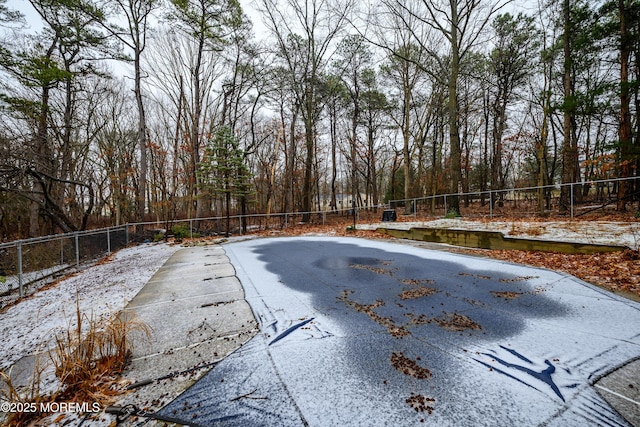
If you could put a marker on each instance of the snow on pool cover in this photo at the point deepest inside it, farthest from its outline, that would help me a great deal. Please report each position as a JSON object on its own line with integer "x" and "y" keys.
{"x": 357, "y": 332}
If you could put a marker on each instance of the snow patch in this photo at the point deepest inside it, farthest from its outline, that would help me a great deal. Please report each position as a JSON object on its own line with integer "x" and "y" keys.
{"x": 30, "y": 326}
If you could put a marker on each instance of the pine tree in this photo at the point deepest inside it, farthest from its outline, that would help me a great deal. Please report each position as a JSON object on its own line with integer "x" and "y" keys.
{"x": 223, "y": 172}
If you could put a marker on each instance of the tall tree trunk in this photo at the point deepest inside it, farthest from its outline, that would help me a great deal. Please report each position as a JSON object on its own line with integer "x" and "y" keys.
{"x": 290, "y": 158}
{"x": 307, "y": 185}
{"x": 485, "y": 146}
{"x": 406, "y": 136}
{"x": 624, "y": 131}
{"x": 569, "y": 148}
{"x": 354, "y": 162}
{"x": 636, "y": 132}
{"x": 454, "y": 135}
{"x": 374, "y": 172}
{"x": 66, "y": 156}
{"x": 272, "y": 170}
{"x": 176, "y": 146}
{"x": 142, "y": 138}
{"x": 434, "y": 165}
{"x": 195, "y": 132}
{"x": 499, "y": 123}
{"x": 334, "y": 159}
{"x": 42, "y": 152}
{"x": 42, "y": 156}
{"x": 542, "y": 146}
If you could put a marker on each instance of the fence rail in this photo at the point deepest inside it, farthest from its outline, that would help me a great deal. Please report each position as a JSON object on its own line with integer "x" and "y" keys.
{"x": 26, "y": 265}
{"x": 582, "y": 196}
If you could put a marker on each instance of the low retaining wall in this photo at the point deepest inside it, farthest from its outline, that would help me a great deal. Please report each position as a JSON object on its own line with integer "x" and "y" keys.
{"x": 495, "y": 240}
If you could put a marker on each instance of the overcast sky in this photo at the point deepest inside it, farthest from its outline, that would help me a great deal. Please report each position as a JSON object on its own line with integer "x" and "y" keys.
{"x": 34, "y": 23}
{"x": 249, "y": 7}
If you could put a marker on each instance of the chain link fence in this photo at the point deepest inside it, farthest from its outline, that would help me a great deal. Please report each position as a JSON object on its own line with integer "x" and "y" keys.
{"x": 580, "y": 199}
{"x": 27, "y": 265}
{"x": 593, "y": 197}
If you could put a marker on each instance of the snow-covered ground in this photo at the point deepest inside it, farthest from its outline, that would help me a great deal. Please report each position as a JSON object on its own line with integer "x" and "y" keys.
{"x": 30, "y": 326}
{"x": 593, "y": 232}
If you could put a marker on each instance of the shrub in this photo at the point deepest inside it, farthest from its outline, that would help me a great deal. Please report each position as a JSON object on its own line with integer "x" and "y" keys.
{"x": 452, "y": 214}
{"x": 181, "y": 231}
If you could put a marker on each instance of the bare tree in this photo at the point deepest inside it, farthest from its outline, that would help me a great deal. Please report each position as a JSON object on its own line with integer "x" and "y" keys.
{"x": 353, "y": 59}
{"x": 114, "y": 154}
{"x": 207, "y": 25}
{"x": 404, "y": 71}
{"x": 462, "y": 24}
{"x": 305, "y": 32}
{"x": 511, "y": 63}
{"x": 135, "y": 13}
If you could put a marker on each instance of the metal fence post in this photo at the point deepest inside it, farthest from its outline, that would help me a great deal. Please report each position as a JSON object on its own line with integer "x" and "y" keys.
{"x": 77, "y": 249}
{"x": 191, "y": 228}
{"x": 571, "y": 186}
{"x": 126, "y": 233}
{"x": 490, "y": 204}
{"x": 108, "y": 242}
{"x": 19, "y": 249}
{"x": 415, "y": 208}
{"x": 445, "y": 205}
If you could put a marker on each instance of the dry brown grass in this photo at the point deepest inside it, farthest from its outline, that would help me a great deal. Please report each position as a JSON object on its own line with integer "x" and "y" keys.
{"x": 87, "y": 359}
{"x": 83, "y": 358}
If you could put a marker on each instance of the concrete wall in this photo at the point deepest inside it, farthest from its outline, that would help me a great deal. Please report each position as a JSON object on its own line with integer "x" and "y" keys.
{"x": 495, "y": 240}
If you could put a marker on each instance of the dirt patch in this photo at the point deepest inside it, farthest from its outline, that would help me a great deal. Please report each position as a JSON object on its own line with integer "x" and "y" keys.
{"x": 506, "y": 295}
{"x": 422, "y": 291}
{"x": 418, "y": 320}
{"x": 421, "y": 403}
{"x": 477, "y": 276}
{"x": 417, "y": 282}
{"x": 456, "y": 322}
{"x": 376, "y": 270}
{"x": 368, "y": 309}
{"x": 409, "y": 366}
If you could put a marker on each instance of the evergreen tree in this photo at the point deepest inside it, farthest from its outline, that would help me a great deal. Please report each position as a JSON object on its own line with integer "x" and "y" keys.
{"x": 223, "y": 172}
{"x": 52, "y": 64}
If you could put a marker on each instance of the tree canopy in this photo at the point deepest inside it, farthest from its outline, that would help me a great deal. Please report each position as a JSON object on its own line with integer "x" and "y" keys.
{"x": 135, "y": 110}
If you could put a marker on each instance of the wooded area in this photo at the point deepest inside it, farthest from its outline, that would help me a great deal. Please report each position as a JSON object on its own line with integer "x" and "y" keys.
{"x": 116, "y": 111}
